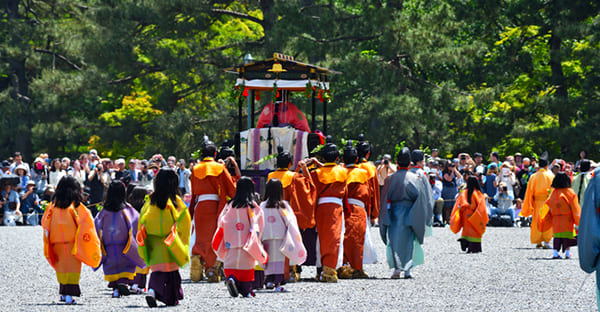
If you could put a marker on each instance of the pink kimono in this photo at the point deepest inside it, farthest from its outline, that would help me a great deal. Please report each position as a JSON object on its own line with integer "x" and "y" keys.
{"x": 237, "y": 241}
{"x": 281, "y": 239}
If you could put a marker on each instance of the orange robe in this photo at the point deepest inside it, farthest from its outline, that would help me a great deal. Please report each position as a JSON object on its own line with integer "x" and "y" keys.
{"x": 70, "y": 238}
{"x": 356, "y": 217}
{"x": 330, "y": 182}
{"x": 373, "y": 211}
{"x": 300, "y": 193}
{"x": 538, "y": 189}
{"x": 209, "y": 179}
{"x": 563, "y": 212}
{"x": 471, "y": 217}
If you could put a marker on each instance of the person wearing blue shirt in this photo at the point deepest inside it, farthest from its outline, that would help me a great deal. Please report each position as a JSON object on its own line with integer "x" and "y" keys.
{"x": 504, "y": 200}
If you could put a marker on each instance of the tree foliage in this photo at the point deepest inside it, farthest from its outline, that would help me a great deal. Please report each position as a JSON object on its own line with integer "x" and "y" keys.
{"x": 132, "y": 77}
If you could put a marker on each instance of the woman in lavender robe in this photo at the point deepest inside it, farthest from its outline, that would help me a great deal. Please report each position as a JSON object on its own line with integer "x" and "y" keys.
{"x": 117, "y": 225}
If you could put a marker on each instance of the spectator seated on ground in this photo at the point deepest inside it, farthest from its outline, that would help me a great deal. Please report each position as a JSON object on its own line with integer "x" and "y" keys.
{"x": 504, "y": 213}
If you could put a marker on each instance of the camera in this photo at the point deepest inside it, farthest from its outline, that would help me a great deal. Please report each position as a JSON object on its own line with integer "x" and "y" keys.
{"x": 386, "y": 162}
{"x": 505, "y": 188}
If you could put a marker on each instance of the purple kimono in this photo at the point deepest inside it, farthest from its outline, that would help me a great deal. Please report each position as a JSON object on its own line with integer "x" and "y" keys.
{"x": 117, "y": 231}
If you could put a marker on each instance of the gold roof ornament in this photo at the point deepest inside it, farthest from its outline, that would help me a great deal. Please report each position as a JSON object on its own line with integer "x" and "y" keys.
{"x": 277, "y": 68}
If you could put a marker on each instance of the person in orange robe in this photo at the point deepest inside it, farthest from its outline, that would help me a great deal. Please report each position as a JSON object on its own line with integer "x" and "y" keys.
{"x": 300, "y": 193}
{"x": 563, "y": 212}
{"x": 537, "y": 192}
{"x": 330, "y": 182}
{"x": 212, "y": 186}
{"x": 470, "y": 214}
{"x": 70, "y": 237}
{"x": 355, "y": 218}
{"x": 364, "y": 151}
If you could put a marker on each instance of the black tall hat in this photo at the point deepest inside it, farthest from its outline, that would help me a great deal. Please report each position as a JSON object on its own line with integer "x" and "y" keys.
{"x": 363, "y": 147}
{"x": 350, "y": 153}
{"x": 206, "y": 142}
{"x": 329, "y": 147}
{"x": 417, "y": 155}
{"x": 404, "y": 157}
{"x": 544, "y": 159}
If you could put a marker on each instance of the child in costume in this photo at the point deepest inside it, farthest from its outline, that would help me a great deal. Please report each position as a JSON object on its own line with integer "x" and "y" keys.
{"x": 563, "y": 212}
{"x": 117, "y": 225}
{"x": 300, "y": 193}
{"x": 163, "y": 239}
{"x": 470, "y": 214}
{"x": 237, "y": 239}
{"x": 136, "y": 199}
{"x": 281, "y": 236}
{"x": 69, "y": 237}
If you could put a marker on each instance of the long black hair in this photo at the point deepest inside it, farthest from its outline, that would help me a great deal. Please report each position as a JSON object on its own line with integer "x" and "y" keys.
{"x": 137, "y": 197}
{"x": 166, "y": 186}
{"x": 116, "y": 196}
{"x": 244, "y": 194}
{"x": 274, "y": 194}
{"x": 472, "y": 185}
{"x": 561, "y": 180}
{"x": 68, "y": 191}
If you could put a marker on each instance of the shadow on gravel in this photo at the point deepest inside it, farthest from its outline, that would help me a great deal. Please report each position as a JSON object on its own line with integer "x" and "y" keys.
{"x": 543, "y": 259}
{"x": 54, "y": 304}
{"x": 524, "y": 248}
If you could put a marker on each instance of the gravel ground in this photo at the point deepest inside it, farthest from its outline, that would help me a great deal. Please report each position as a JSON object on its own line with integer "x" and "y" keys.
{"x": 510, "y": 275}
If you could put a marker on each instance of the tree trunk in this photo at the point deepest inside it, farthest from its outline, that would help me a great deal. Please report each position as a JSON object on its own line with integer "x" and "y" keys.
{"x": 269, "y": 19}
{"x": 561, "y": 105}
{"x": 20, "y": 92}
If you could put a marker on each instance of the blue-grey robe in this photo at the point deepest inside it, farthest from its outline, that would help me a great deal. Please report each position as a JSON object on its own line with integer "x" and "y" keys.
{"x": 588, "y": 240}
{"x": 404, "y": 220}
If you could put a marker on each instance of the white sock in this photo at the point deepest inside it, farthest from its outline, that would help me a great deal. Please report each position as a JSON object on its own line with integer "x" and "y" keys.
{"x": 555, "y": 253}
{"x": 568, "y": 253}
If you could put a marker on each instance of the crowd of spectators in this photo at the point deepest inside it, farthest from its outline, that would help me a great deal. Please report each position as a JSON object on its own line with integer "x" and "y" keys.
{"x": 504, "y": 182}
{"x": 26, "y": 190}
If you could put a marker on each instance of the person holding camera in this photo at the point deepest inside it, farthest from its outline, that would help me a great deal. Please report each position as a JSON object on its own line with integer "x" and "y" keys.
{"x": 30, "y": 202}
{"x": 504, "y": 201}
{"x": 385, "y": 169}
{"x": 98, "y": 180}
{"x": 146, "y": 175}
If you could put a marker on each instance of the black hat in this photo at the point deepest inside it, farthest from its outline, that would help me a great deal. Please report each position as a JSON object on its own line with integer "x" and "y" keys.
{"x": 5, "y": 164}
{"x": 404, "y": 157}
{"x": 330, "y": 152}
{"x": 350, "y": 153}
{"x": 477, "y": 154}
{"x": 283, "y": 158}
{"x": 544, "y": 159}
{"x": 362, "y": 147}
{"x": 585, "y": 165}
{"x": 416, "y": 156}
{"x": 206, "y": 142}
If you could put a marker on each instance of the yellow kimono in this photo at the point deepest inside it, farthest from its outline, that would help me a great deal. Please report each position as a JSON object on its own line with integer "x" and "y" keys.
{"x": 538, "y": 190}
{"x": 163, "y": 236}
{"x": 70, "y": 238}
